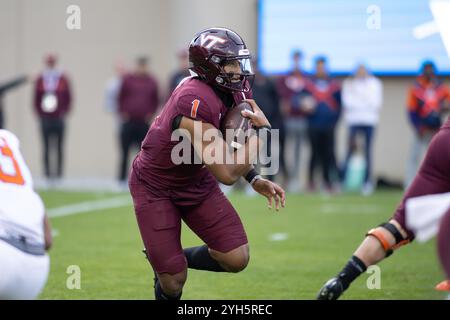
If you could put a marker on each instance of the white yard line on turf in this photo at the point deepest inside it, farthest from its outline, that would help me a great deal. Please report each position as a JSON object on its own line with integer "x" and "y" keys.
{"x": 88, "y": 206}
{"x": 280, "y": 236}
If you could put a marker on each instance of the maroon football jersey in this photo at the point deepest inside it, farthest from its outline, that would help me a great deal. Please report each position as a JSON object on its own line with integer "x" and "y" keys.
{"x": 194, "y": 99}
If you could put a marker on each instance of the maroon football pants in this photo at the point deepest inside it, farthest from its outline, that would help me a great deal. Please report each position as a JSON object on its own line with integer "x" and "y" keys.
{"x": 159, "y": 214}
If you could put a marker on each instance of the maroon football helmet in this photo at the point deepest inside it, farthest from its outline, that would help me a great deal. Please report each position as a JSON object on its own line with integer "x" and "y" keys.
{"x": 213, "y": 48}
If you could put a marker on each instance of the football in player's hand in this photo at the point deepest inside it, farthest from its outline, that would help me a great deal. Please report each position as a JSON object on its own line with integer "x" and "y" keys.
{"x": 236, "y": 124}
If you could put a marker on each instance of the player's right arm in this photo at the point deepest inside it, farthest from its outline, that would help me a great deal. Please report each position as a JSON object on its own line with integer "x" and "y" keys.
{"x": 226, "y": 173}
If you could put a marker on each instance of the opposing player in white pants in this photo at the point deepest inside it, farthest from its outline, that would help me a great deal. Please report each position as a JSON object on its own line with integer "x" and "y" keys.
{"x": 25, "y": 234}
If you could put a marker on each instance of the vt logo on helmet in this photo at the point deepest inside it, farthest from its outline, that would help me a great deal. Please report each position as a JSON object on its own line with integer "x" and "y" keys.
{"x": 208, "y": 40}
{"x": 220, "y": 56}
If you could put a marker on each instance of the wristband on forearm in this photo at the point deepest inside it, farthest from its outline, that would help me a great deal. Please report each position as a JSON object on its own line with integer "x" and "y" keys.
{"x": 252, "y": 176}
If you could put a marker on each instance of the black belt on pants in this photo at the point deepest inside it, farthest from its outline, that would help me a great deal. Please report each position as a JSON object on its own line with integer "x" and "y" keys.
{"x": 22, "y": 245}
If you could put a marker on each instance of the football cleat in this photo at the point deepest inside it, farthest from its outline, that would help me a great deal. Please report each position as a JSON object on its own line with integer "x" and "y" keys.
{"x": 332, "y": 290}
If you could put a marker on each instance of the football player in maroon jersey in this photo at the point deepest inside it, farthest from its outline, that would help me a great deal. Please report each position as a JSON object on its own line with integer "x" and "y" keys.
{"x": 165, "y": 193}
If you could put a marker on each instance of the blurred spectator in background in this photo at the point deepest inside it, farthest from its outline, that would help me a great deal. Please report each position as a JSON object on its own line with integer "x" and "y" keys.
{"x": 138, "y": 102}
{"x": 289, "y": 86}
{"x": 322, "y": 120}
{"x": 112, "y": 91}
{"x": 52, "y": 102}
{"x": 266, "y": 95}
{"x": 362, "y": 98}
{"x": 182, "y": 72}
{"x": 113, "y": 88}
{"x": 428, "y": 98}
{"x": 4, "y": 87}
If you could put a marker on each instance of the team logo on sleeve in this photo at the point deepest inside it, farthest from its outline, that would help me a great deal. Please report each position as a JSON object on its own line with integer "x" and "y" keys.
{"x": 194, "y": 108}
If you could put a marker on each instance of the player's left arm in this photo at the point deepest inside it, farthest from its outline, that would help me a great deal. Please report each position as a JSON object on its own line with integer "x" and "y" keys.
{"x": 267, "y": 188}
{"x": 272, "y": 191}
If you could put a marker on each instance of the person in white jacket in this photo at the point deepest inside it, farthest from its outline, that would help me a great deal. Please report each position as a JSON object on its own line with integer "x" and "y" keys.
{"x": 362, "y": 98}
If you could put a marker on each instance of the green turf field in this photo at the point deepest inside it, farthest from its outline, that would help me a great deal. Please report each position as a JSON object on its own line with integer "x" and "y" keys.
{"x": 322, "y": 233}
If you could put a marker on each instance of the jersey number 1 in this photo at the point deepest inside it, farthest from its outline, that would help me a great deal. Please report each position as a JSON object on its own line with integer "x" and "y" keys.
{"x": 16, "y": 178}
{"x": 194, "y": 108}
